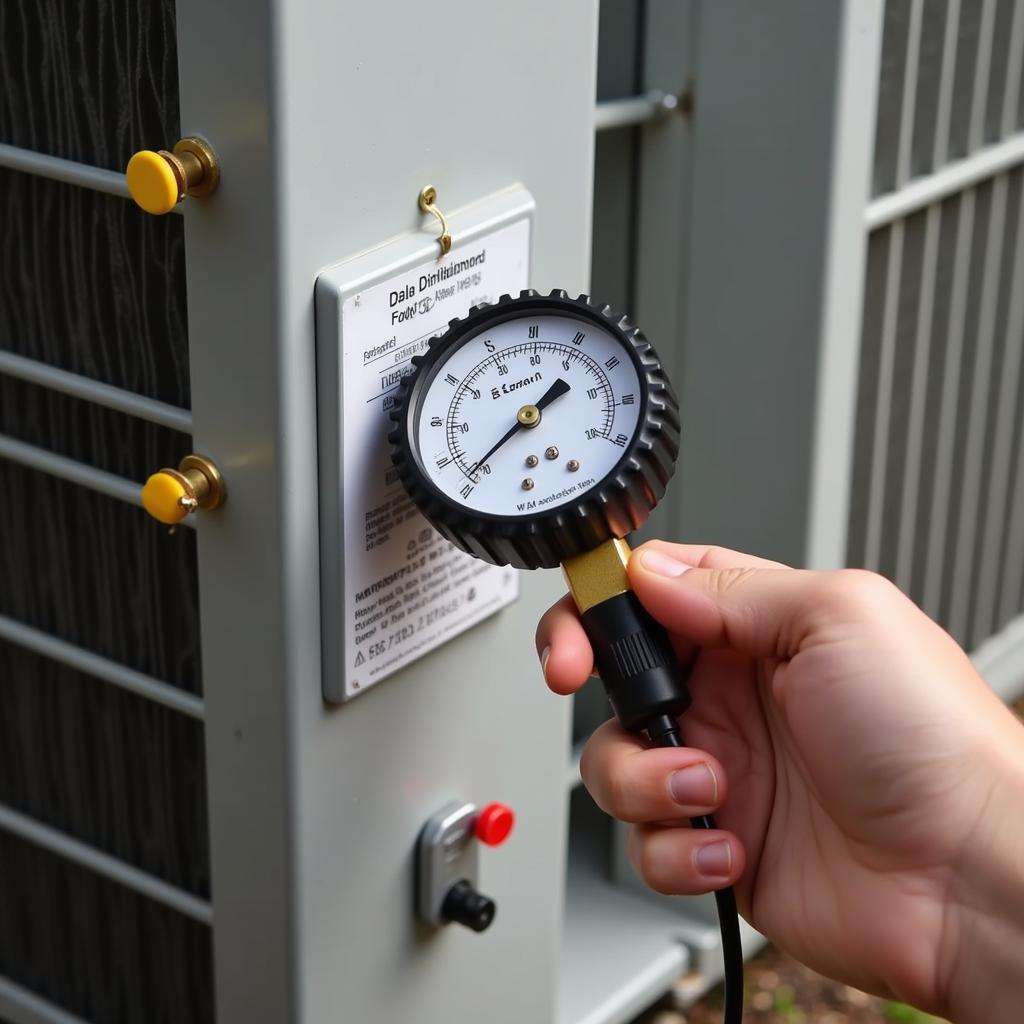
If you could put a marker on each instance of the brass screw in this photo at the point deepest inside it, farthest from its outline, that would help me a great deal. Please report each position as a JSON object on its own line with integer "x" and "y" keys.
{"x": 527, "y": 484}
{"x": 572, "y": 465}
{"x": 551, "y": 453}
{"x": 532, "y": 460}
{"x": 528, "y": 416}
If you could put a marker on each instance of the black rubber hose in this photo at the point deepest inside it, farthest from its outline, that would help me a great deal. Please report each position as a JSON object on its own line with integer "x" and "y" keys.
{"x": 664, "y": 732}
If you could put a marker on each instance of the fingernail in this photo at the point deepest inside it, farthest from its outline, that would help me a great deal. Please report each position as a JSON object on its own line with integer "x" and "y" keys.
{"x": 694, "y": 786}
{"x": 661, "y": 564}
{"x": 544, "y": 655}
{"x": 714, "y": 860}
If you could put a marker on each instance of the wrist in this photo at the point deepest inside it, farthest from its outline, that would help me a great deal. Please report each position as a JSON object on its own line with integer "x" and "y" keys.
{"x": 981, "y": 959}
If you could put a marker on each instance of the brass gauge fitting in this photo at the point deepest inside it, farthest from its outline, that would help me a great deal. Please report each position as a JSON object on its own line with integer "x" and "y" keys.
{"x": 171, "y": 494}
{"x": 159, "y": 180}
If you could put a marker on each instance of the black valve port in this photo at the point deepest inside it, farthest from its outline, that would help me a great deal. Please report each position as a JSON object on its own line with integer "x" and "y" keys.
{"x": 464, "y": 905}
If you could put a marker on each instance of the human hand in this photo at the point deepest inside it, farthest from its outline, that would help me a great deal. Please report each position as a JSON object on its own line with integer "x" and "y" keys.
{"x": 868, "y": 783}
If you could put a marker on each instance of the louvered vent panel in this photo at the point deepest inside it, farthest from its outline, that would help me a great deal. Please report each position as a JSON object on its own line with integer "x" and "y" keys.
{"x": 938, "y": 476}
{"x": 91, "y": 285}
{"x": 96, "y": 948}
{"x": 86, "y": 432}
{"x": 100, "y": 574}
{"x": 95, "y": 82}
{"x": 105, "y": 766}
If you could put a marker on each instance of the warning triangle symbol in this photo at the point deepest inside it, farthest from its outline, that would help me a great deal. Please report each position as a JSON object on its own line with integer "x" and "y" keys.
{"x": 359, "y": 660}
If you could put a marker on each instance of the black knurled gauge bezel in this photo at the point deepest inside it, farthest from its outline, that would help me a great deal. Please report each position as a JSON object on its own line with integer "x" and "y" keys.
{"x": 614, "y": 507}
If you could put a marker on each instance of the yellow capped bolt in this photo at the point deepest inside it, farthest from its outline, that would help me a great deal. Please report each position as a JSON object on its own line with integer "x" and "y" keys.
{"x": 167, "y": 497}
{"x": 152, "y": 182}
{"x": 158, "y": 181}
{"x": 171, "y": 494}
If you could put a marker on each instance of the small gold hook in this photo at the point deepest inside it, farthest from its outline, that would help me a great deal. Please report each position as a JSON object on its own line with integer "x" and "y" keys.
{"x": 428, "y": 201}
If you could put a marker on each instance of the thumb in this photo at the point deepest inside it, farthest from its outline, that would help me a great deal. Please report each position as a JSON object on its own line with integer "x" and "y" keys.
{"x": 756, "y": 611}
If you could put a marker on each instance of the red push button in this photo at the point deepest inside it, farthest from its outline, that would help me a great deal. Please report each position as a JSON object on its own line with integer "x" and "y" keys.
{"x": 494, "y": 823}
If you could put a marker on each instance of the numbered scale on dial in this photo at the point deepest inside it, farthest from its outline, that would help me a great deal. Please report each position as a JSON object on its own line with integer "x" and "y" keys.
{"x": 535, "y": 429}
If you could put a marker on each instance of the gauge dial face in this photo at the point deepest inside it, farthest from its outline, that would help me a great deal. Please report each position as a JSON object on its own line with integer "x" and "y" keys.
{"x": 528, "y": 414}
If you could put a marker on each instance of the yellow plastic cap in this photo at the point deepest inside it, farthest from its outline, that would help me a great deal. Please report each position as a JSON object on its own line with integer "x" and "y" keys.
{"x": 151, "y": 182}
{"x": 161, "y": 498}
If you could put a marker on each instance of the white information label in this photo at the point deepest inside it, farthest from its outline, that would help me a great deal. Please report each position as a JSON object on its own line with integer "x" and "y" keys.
{"x": 406, "y": 588}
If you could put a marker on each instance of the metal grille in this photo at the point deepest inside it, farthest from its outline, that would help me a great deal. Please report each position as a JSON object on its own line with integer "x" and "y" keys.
{"x": 938, "y": 474}
{"x": 104, "y": 854}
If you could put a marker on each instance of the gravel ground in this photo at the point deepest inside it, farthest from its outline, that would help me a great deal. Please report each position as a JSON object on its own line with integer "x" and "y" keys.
{"x": 782, "y": 991}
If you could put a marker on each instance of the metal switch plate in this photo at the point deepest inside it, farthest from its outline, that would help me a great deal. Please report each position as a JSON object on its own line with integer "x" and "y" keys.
{"x": 446, "y": 852}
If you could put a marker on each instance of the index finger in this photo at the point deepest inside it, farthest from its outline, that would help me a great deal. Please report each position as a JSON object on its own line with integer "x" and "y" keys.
{"x": 565, "y": 653}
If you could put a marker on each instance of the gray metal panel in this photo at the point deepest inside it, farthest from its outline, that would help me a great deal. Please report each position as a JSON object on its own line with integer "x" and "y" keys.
{"x": 314, "y": 812}
{"x": 611, "y": 274}
{"x": 620, "y": 951}
{"x": 619, "y": 63}
{"x": 243, "y": 400}
{"x": 662, "y": 230}
{"x": 620, "y": 43}
{"x": 774, "y": 249}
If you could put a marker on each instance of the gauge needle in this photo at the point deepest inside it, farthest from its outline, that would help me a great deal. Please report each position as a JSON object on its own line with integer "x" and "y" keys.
{"x": 559, "y": 388}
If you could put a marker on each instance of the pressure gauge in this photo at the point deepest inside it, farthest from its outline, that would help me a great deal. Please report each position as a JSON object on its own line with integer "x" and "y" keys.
{"x": 535, "y": 429}
{"x": 541, "y": 431}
